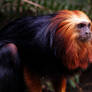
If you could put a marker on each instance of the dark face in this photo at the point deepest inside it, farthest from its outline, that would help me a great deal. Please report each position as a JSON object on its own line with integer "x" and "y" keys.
{"x": 85, "y": 33}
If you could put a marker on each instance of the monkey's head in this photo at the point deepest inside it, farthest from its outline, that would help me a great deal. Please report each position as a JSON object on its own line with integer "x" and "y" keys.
{"x": 75, "y": 23}
{"x": 73, "y": 39}
{"x": 82, "y": 26}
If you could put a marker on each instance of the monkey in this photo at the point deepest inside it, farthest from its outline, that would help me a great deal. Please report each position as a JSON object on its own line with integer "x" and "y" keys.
{"x": 56, "y": 45}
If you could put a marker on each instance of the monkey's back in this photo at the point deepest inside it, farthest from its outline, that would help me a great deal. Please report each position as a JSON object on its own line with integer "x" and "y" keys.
{"x": 33, "y": 44}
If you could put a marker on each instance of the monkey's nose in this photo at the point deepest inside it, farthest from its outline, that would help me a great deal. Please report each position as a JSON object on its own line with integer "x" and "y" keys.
{"x": 88, "y": 33}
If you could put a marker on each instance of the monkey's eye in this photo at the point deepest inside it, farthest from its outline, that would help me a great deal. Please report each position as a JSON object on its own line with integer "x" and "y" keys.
{"x": 89, "y": 25}
{"x": 81, "y": 25}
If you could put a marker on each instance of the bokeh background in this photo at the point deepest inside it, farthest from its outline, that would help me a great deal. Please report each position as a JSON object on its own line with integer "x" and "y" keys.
{"x": 12, "y": 9}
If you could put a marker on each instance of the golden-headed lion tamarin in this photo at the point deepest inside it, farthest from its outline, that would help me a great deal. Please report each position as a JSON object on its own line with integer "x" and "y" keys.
{"x": 56, "y": 45}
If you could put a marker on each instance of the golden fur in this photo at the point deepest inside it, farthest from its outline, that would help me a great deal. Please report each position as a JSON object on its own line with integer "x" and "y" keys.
{"x": 76, "y": 54}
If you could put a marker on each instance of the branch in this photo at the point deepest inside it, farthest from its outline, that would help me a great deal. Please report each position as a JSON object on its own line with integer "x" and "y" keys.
{"x": 35, "y": 4}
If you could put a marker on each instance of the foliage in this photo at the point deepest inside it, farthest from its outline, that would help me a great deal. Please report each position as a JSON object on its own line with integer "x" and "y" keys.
{"x": 10, "y": 9}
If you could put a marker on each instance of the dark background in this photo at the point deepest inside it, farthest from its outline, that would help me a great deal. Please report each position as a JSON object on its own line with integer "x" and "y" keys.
{"x": 12, "y": 9}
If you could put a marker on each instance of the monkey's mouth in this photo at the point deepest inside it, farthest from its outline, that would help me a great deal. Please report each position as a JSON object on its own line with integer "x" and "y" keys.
{"x": 85, "y": 38}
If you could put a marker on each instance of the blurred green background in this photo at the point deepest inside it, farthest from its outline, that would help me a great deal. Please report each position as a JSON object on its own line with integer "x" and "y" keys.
{"x": 12, "y": 9}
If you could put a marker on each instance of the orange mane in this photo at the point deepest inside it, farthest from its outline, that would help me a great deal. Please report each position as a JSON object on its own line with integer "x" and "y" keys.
{"x": 73, "y": 53}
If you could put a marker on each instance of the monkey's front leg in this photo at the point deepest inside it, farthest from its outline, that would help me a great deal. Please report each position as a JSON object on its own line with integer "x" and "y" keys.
{"x": 63, "y": 85}
{"x": 59, "y": 84}
{"x": 32, "y": 81}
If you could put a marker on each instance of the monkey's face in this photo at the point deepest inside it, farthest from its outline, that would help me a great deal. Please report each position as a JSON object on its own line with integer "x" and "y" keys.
{"x": 84, "y": 31}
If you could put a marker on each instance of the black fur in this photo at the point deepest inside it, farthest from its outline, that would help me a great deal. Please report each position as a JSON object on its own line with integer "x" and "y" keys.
{"x": 33, "y": 42}
{"x": 34, "y": 39}
{"x": 11, "y": 76}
